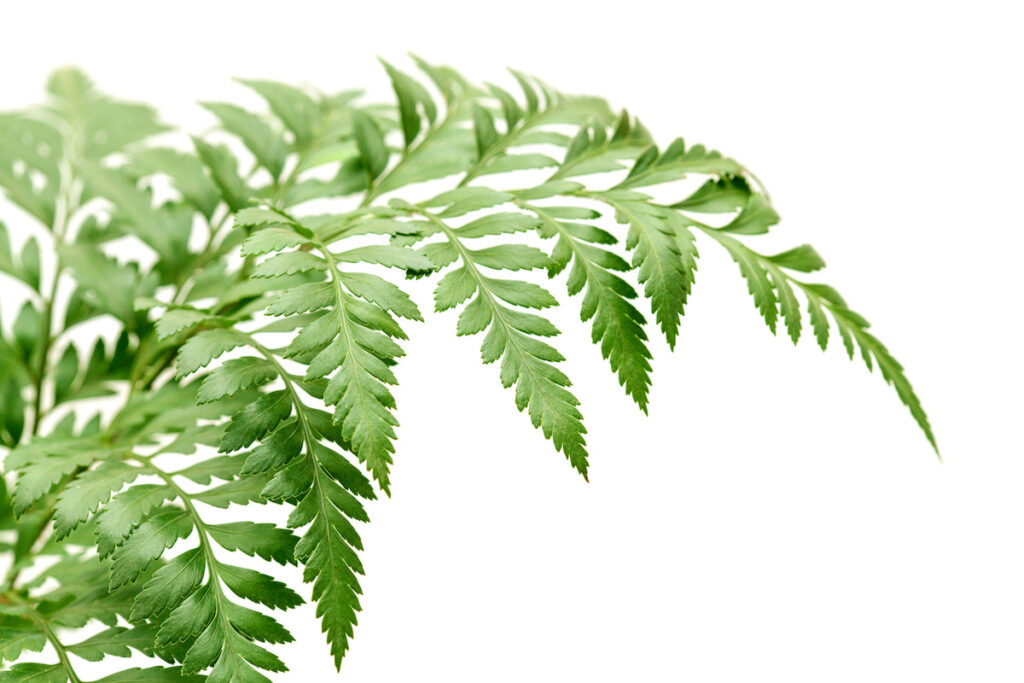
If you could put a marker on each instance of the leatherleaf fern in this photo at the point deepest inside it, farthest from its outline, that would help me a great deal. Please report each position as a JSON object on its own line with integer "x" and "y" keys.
{"x": 216, "y": 322}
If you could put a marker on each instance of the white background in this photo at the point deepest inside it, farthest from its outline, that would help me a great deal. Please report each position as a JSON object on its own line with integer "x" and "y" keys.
{"x": 778, "y": 516}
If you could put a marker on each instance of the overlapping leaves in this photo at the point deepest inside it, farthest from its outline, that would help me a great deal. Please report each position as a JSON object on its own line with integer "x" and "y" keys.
{"x": 482, "y": 188}
{"x": 346, "y": 331}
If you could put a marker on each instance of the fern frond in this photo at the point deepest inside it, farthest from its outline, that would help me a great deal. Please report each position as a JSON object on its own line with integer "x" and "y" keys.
{"x": 325, "y": 489}
{"x": 773, "y": 288}
{"x": 452, "y": 180}
{"x": 617, "y": 324}
{"x": 513, "y": 336}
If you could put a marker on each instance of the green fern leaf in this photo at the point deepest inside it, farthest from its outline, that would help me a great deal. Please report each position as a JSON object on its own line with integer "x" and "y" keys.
{"x": 663, "y": 254}
{"x": 86, "y": 493}
{"x": 17, "y": 636}
{"x": 267, "y": 145}
{"x": 618, "y": 327}
{"x": 285, "y": 329}
{"x": 249, "y": 584}
{"x": 147, "y": 543}
{"x": 294, "y": 107}
{"x": 251, "y": 538}
{"x": 117, "y": 641}
{"x": 34, "y": 673}
{"x": 758, "y": 282}
{"x": 170, "y": 585}
{"x": 186, "y": 172}
{"x": 126, "y": 511}
{"x": 512, "y": 336}
{"x": 224, "y": 170}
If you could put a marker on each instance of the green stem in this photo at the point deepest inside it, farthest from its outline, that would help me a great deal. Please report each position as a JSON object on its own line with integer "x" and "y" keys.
{"x": 66, "y": 206}
{"x": 62, "y": 653}
{"x": 307, "y": 432}
{"x": 40, "y": 371}
{"x": 47, "y": 629}
{"x": 137, "y": 382}
{"x": 200, "y": 526}
{"x": 205, "y": 544}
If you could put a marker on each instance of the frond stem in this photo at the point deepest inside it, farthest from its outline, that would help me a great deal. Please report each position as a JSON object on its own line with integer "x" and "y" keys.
{"x": 47, "y": 630}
